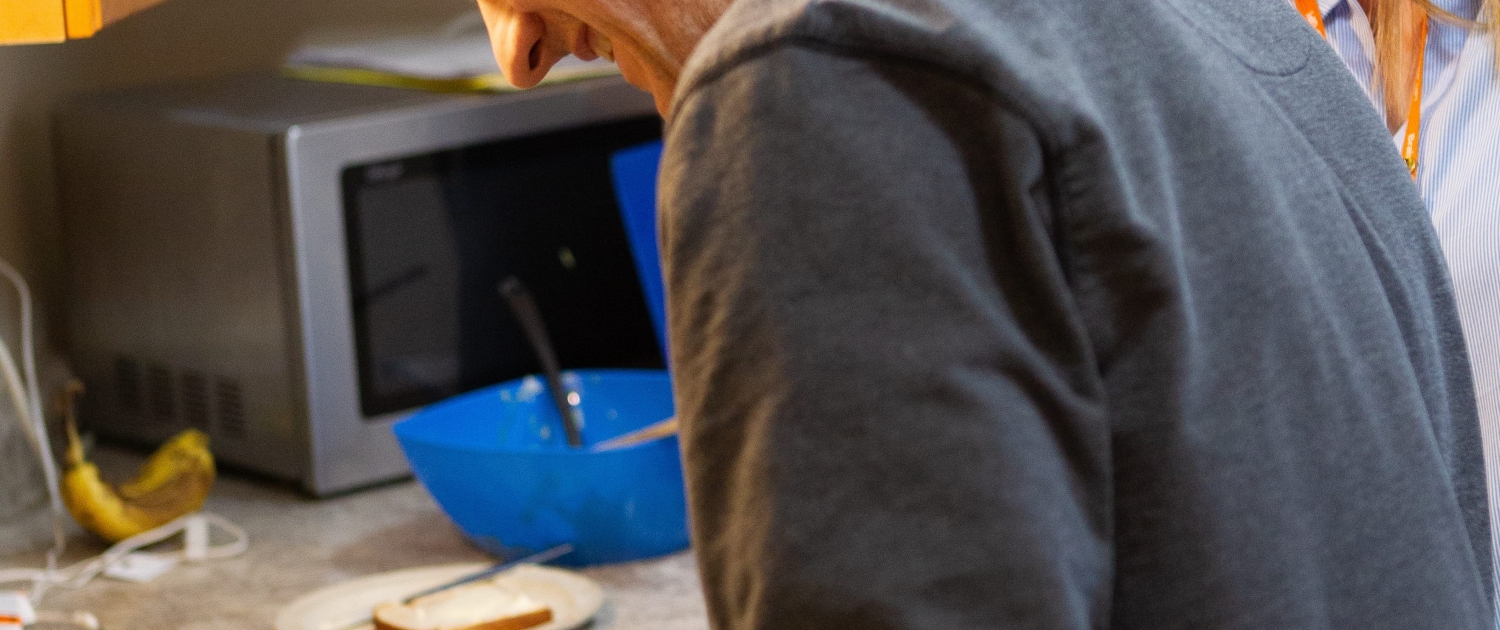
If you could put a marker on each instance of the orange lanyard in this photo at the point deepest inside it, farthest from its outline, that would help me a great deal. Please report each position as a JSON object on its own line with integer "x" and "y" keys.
{"x": 1313, "y": 14}
{"x": 1412, "y": 143}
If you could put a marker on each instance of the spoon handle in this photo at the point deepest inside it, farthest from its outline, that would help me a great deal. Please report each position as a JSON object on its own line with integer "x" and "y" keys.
{"x": 539, "y": 558}
{"x": 656, "y": 431}
{"x": 524, "y": 307}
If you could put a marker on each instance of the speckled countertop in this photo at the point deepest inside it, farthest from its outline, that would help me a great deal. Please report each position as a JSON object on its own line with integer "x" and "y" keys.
{"x": 299, "y": 545}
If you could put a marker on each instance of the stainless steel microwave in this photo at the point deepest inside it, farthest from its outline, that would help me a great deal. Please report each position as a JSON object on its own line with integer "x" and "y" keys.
{"x": 294, "y": 266}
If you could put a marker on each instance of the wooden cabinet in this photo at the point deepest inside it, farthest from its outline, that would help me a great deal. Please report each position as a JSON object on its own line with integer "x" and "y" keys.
{"x": 44, "y": 21}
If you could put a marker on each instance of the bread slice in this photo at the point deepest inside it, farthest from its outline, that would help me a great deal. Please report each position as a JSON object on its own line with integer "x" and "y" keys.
{"x": 479, "y": 606}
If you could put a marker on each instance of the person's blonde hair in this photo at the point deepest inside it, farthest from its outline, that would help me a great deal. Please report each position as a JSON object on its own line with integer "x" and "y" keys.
{"x": 1397, "y": 44}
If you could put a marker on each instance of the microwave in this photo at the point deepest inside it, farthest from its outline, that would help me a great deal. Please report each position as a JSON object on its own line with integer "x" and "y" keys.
{"x": 294, "y": 266}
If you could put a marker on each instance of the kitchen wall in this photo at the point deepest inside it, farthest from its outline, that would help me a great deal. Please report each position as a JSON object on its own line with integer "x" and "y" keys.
{"x": 181, "y": 38}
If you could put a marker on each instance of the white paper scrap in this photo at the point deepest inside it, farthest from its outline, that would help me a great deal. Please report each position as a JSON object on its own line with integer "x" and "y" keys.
{"x": 15, "y": 611}
{"x": 141, "y": 567}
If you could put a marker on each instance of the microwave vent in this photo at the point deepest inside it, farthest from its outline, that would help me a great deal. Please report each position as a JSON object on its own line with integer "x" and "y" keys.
{"x": 231, "y": 407}
{"x": 128, "y": 386}
{"x": 157, "y": 391}
{"x": 160, "y": 394}
{"x": 195, "y": 406}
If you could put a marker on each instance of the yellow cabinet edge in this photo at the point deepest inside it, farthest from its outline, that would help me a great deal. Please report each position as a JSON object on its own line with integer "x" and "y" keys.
{"x": 48, "y": 21}
{"x": 32, "y": 21}
{"x": 84, "y": 18}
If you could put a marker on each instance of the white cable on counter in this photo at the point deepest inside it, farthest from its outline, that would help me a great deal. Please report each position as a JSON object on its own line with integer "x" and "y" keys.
{"x": 38, "y": 423}
{"x": 81, "y": 573}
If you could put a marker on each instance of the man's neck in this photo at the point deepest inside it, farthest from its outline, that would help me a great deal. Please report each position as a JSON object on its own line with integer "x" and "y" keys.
{"x": 686, "y": 22}
{"x": 671, "y": 32}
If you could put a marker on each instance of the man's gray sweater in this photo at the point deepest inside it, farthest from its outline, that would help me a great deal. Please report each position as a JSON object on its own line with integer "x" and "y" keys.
{"x": 1060, "y": 314}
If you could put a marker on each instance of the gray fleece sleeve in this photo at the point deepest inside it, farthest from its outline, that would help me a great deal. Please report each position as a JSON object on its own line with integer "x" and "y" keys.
{"x": 892, "y": 415}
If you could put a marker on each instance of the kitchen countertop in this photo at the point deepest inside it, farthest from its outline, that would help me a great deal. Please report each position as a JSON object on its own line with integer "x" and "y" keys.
{"x": 298, "y": 545}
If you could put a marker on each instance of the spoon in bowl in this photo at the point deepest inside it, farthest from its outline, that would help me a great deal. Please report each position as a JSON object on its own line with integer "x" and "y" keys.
{"x": 525, "y": 310}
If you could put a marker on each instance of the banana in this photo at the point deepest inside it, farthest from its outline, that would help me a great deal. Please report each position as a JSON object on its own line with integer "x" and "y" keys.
{"x": 172, "y": 483}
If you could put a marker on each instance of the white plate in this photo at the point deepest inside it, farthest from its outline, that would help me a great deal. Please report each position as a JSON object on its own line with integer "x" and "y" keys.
{"x": 574, "y": 599}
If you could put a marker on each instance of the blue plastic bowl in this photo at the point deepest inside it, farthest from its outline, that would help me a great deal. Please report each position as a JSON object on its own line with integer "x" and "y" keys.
{"x": 498, "y": 463}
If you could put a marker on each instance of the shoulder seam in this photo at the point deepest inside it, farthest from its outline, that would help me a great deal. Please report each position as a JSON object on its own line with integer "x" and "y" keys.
{"x": 822, "y": 45}
{"x": 1056, "y": 175}
{"x": 1008, "y": 102}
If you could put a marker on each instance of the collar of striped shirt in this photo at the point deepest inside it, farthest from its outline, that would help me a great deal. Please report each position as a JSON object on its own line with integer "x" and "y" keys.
{"x": 1468, "y": 9}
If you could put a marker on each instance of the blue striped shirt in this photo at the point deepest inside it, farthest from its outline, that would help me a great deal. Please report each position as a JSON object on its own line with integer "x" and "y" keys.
{"x": 1459, "y": 176}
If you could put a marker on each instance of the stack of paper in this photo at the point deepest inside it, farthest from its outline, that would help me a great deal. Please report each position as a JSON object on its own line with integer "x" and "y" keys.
{"x": 458, "y": 59}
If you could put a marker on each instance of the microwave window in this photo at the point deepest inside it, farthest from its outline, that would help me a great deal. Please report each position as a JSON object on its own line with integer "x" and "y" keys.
{"x": 430, "y": 238}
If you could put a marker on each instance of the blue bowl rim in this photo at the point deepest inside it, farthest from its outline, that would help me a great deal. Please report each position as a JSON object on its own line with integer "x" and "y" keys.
{"x": 642, "y": 373}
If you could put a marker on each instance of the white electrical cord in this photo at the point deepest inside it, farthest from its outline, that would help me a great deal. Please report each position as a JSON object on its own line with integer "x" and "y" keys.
{"x": 193, "y": 527}
{"x": 17, "y": 391}
{"x": 37, "y": 425}
{"x": 21, "y": 383}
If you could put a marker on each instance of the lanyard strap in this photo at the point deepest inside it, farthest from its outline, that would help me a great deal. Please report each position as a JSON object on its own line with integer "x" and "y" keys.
{"x": 1411, "y": 144}
{"x": 1313, "y": 14}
